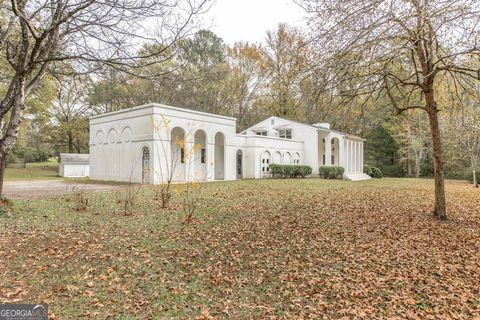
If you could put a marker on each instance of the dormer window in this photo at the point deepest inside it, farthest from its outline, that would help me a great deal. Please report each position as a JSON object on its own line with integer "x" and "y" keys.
{"x": 261, "y": 133}
{"x": 285, "y": 133}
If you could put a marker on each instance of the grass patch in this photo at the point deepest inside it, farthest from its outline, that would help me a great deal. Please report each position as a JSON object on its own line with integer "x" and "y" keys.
{"x": 257, "y": 249}
{"x": 47, "y": 170}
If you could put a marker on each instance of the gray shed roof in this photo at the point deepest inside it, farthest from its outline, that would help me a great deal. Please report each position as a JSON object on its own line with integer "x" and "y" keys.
{"x": 74, "y": 158}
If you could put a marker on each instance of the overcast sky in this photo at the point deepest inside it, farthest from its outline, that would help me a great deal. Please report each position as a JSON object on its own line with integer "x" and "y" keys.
{"x": 249, "y": 20}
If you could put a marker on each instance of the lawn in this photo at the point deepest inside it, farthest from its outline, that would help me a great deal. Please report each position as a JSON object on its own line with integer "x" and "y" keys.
{"x": 257, "y": 249}
{"x": 34, "y": 171}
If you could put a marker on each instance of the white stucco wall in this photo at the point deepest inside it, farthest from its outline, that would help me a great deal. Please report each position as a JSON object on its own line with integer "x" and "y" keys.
{"x": 73, "y": 170}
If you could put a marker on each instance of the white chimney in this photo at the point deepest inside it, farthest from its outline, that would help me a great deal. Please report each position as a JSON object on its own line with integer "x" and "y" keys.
{"x": 324, "y": 125}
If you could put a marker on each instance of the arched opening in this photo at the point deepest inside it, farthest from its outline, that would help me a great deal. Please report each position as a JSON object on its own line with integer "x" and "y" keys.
{"x": 178, "y": 157}
{"x": 277, "y": 158}
{"x": 219, "y": 163}
{"x": 145, "y": 165}
{"x": 200, "y": 156}
{"x": 287, "y": 158}
{"x": 265, "y": 164}
{"x": 239, "y": 164}
{"x": 335, "y": 151}
{"x": 296, "y": 158}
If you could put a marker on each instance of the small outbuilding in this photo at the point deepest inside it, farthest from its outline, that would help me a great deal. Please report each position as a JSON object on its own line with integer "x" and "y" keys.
{"x": 74, "y": 165}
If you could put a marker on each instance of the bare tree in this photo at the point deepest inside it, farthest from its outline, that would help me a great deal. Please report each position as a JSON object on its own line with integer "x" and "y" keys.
{"x": 69, "y": 112}
{"x": 398, "y": 49}
{"x": 37, "y": 37}
{"x": 468, "y": 129}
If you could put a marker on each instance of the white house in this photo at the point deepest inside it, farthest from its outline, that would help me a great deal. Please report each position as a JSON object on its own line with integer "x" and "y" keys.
{"x": 149, "y": 143}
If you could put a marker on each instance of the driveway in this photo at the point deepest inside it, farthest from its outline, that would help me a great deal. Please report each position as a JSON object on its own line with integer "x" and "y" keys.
{"x": 45, "y": 188}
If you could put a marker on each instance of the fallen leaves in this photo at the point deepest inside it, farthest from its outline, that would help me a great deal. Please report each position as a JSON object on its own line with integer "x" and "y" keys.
{"x": 259, "y": 249}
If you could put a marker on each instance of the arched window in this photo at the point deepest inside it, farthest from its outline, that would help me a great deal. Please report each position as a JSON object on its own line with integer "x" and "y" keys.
{"x": 145, "y": 165}
{"x": 239, "y": 164}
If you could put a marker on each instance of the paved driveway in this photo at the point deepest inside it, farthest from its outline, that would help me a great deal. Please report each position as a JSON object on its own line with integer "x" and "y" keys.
{"x": 45, "y": 188}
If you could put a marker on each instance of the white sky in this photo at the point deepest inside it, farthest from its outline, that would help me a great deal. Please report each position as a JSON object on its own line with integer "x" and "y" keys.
{"x": 249, "y": 20}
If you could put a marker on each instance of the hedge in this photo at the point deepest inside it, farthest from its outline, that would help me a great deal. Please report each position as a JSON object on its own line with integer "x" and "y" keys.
{"x": 289, "y": 171}
{"x": 331, "y": 172}
{"x": 373, "y": 172}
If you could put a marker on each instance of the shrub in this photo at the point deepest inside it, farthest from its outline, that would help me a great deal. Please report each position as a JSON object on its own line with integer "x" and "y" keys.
{"x": 304, "y": 171}
{"x": 376, "y": 173}
{"x": 276, "y": 170}
{"x": 331, "y": 172}
{"x": 289, "y": 171}
{"x": 368, "y": 170}
{"x": 426, "y": 169}
{"x": 392, "y": 171}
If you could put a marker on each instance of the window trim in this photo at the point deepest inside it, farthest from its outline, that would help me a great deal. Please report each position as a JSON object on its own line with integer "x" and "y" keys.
{"x": 285, "y": 133}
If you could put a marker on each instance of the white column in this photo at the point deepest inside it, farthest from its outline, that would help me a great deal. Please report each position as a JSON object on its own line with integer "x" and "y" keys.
{"x": 362, "y": 156}
{"x": 347, "y": 156}
{"x": 341, "y": 153}
{"x": 354, "y": 157}
{"x": 357, "y": 158}
{"x": 328, "y": 151}
{"x": 211, "y": 159}
{"x": 350, "y": 156}
{"x": 354, "y": 166}
{"x": 189, "y": 157}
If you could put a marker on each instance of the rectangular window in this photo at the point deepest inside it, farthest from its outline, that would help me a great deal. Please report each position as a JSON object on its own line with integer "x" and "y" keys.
{"x": 261, "y": 133}
{"x": 203, "y": 156}
{"x": 285, "y": 134}
{"x": 323, "y": 159}
{"x": 182, "y": 155}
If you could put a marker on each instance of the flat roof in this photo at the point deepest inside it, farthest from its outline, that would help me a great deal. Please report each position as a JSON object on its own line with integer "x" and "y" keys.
{"x": 164, "y": 106}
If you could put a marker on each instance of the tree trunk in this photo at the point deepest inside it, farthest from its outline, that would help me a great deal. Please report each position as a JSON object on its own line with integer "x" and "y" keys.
{"x": 417, "y": 167}
{"x": 440, "y": 209}
{"x": 409, "y": 163}
{"x": 70, "y": 142}
{"x": 475, "y": 182}
{"x": 3, "y": 164}
{"x": 10, "y": 134}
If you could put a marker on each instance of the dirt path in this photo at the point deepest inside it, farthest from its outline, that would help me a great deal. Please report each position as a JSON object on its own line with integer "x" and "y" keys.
{"x": 45, "y": 188}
